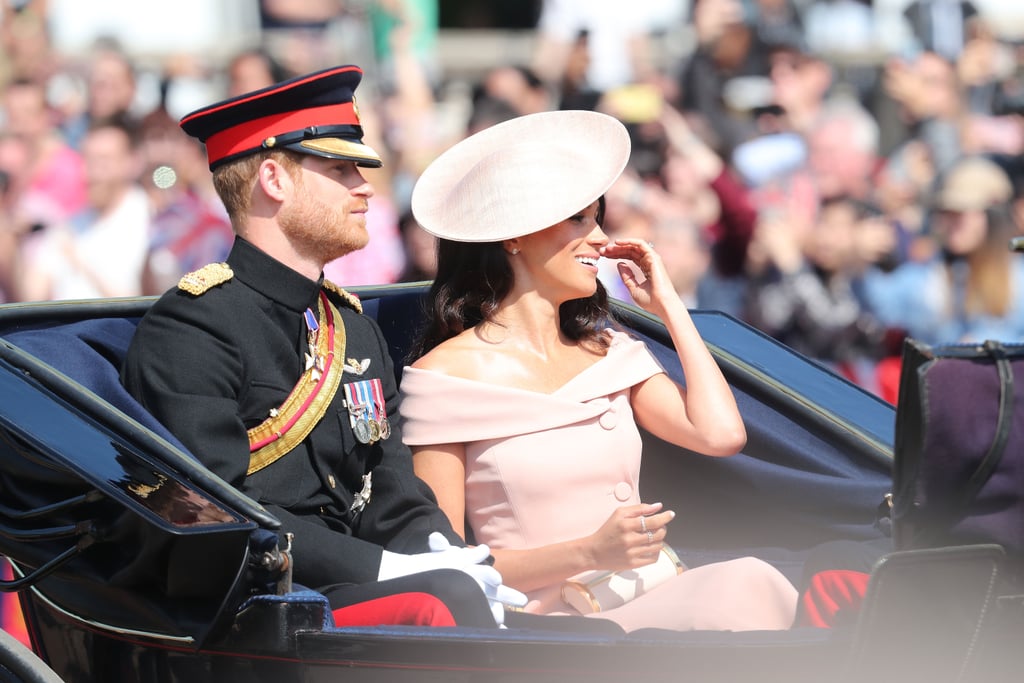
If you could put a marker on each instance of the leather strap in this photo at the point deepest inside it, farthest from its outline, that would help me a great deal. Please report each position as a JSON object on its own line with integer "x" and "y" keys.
{"x": 994, "y": 454}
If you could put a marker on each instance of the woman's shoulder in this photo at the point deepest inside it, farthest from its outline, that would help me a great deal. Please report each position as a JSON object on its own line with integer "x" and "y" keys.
{"x": 458, "y": 356}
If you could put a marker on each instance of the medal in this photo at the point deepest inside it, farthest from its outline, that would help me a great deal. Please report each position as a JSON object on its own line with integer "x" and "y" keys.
{"x": 362, "y": 431}
{"x": 358, "y": 412}
{"x": 365, "y": 402}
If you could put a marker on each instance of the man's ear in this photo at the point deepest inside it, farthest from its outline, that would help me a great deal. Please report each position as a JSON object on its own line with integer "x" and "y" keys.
{"x": 273, "y": 179}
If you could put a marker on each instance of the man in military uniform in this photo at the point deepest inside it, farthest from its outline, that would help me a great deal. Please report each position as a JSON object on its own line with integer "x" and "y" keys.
{"x": 275, "y": 380}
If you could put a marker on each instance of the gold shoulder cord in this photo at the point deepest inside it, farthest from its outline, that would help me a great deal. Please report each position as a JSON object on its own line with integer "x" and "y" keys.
{"x": 307, "y": 403}
{"x": 350, "y": 299}
{"x": 209, "y": 276}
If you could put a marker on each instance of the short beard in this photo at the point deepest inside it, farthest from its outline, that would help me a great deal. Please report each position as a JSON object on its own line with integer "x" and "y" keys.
{"x": 319, "y": 231}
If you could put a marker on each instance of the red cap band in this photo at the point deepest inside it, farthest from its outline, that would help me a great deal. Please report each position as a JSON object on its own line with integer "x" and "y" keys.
{"x": 250, "y": 135}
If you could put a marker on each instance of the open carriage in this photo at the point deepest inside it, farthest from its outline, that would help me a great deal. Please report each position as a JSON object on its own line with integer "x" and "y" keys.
{"x": 135, "y": 563}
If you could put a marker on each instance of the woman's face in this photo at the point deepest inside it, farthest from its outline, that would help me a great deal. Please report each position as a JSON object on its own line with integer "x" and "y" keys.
{"x": 561, "y": 260}
{"x": 960, "y": 232}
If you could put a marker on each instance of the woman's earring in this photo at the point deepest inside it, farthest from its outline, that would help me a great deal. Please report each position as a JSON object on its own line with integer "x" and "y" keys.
{"x": 514, "y": 251}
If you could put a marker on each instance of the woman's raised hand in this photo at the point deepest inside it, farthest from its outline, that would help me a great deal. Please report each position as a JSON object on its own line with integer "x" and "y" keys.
{"x": 654, "y": 290}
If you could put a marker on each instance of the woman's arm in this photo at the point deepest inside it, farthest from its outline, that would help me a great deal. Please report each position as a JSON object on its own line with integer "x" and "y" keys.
{"x": 620, "y": 543}
{"x": 703, "y": 417}
{"x": 443, "y": 468}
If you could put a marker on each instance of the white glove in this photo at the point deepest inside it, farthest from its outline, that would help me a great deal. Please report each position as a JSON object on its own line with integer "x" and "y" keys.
{"x": 443, "y": 555}
{"x": 393, "y": 565}
{"x": 487, "y": 577}
{"x": 498, "y": 594}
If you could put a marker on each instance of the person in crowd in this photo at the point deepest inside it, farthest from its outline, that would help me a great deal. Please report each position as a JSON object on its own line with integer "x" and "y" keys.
{"x": 685, "y": 251}
{"x": 617, "y": 44}
{"x": 54, "y": 188}
{"x": 300, "y": 34}
{"x": 419, "y": 21}
{"x": 517, "y": 85}
{"x": 927, "y": 90}
{"x": 100, "y": 251}
{"x": 972, "y": 289}
{"x": 802, "y": 82}
{"x": 14, "y": 227}
{"x": 403, "y": 128}
{"x": 941, "y": 26}
{"x": 252, "y": 69}
{"x": 384, "y": 258}
{"x": 517, "y": 361}
{"x": 188, "y": 228}
{"x": 26, "y": 42}
{"x": 421, "y": 249}
{"x": 842, "y": 149}
{"x": 111, "y": 87}
{"x": 807, "y": 295}
{"x": 729, "y": 50}
{"x": 691, "y": 184}
{"x": 776, "y": 21}
{"x": 272, "y": 376}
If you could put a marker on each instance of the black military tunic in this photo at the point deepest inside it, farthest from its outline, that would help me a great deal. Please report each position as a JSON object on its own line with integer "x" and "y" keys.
{"x": 213, "y": 365}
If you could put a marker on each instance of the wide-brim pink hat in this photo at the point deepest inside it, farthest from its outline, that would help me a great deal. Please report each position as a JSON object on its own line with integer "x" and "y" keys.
{"x": 520, "y": 176}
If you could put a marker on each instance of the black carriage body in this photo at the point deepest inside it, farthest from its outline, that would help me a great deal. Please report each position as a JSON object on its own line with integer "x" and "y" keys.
{"x": 138, "y": 564}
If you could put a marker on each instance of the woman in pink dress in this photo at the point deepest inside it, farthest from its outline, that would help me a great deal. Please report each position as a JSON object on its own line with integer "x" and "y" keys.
{"x": 522, "y": 408}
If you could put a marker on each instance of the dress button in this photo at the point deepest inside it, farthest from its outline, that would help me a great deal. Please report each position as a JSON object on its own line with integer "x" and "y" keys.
{"x": 609, "y": 419}
{"x": 623, "y": 491}
{"x": 331, "y": 480}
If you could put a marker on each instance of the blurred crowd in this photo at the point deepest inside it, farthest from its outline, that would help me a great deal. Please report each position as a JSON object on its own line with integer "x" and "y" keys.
{"x": 837, "y": 192}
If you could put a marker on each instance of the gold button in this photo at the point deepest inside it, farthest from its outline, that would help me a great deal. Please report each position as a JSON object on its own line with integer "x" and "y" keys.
{"x": 331, "y": 481}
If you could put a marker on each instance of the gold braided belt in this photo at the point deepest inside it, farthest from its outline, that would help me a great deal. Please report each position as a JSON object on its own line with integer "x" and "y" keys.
{"x": 288, "y": 425}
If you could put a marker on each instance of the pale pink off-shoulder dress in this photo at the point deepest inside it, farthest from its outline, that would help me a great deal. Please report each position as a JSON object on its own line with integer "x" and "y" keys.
{"x": 545, "y": 468}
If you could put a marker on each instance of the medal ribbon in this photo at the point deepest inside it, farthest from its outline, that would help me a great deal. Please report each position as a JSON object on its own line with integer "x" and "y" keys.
{"x": 381, "y": 409}
{"x": 366, "y": 398}
{"x": 354, "y": 401}
{"x": 365, "y": 403}
{"x": 377, "y": 389}
{"x": 308, "y": 401}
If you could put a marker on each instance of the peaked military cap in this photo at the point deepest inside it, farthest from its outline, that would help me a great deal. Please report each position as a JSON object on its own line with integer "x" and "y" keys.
{"x": 313, "y": 114}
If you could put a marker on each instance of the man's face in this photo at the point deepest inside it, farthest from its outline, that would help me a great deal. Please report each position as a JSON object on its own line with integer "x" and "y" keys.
{"x": 111, "y": 86}
{"x": 25, "y": 111}
{"x": 110, "y": 165}
{"x": 325, "y": 215}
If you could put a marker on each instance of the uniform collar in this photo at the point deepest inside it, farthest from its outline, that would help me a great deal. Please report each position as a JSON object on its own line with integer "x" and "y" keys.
{"x": 271, "y": 278}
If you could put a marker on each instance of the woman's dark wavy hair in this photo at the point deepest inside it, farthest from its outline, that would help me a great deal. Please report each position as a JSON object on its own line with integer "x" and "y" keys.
{"x": 473, "y": 278}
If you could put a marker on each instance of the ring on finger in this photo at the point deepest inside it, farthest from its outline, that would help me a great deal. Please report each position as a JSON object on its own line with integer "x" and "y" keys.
{"x": 650, "y": 536}
{"x": 643, "y": 525}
